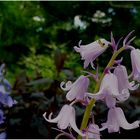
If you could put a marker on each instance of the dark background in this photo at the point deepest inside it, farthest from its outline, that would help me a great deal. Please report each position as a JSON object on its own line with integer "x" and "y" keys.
{"x": 36, "y": 44}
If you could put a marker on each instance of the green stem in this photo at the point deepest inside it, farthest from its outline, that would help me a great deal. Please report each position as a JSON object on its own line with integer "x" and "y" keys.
{"x": 92, "y": 101}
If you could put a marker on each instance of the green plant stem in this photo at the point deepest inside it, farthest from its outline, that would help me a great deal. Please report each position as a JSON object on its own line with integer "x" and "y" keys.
{"x": 92, "y": 101}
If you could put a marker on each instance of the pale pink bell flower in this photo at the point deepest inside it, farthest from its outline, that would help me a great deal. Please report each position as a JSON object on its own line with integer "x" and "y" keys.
{"x": 135, "y": 61}
{"x": 123, "y": 82}
{"x": 116, "y": 119}
{"x": 93, "y": 131}
{"x": 77, "y": 89}
{"x": 65, "y": 118}
{"x": 109, "y": 87}
{"x": 91, "y": 51}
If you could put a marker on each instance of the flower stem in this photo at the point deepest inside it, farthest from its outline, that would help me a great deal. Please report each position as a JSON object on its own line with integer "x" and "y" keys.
{"x": 92, "y": 101}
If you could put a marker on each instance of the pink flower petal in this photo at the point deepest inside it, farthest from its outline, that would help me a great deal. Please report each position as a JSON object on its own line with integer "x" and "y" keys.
{"x": 93, "y": 131}
{"x": 68, "y": 85}
{"x": 109, "y": 86}
{"x": 110, "y": 101}
{"x": 91, "y": 51}
{"x": 122, "y": 76}
{"x": 73, "y": 124}
{"x": 112, "y": 123}
{"x": 78, "y": 89}
{"x": 135, "y": 55}
{"x": 67, "y": 113}
{"x": 123, "y": 122}
{"x": 55, "y": 120}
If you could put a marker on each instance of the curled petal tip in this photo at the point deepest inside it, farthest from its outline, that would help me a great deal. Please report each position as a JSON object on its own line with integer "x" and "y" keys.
{"x": 79, "y": 44}
{"x": 50, "y": 116}
{"x": 62, "y": 84}
{"x": 44, "y": 115}
{"x": 76, "y": 49}
{"x": 67, "y": 87}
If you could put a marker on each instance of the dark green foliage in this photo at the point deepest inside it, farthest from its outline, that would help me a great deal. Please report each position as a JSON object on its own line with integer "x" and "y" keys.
{"x": 35, "y": 31}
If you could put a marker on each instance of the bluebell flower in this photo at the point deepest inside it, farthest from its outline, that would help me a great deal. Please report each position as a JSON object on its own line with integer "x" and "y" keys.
{"x": 93, "y": 131}
{"x": 7, "y": 100}
{"x": 91, "y": 51}
{"x": 135, "y": 56}
{"x": 77, "y": 89}
{"x": 1, "y": 117}
{"x": 3, "y": 135}
{"x": 116, "y": 119}
{"x": 109, "y": 87}
{"x": 65, "y": 118}
{"x": 123, "y": 81}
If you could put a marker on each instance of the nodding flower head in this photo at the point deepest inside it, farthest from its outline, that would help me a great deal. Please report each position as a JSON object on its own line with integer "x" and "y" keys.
{"x": 135, "y": 56}
{"x": 123, "y": 82}
{"x": 7, "y": 100}
{"x": 116, "y": 119}
{"x": 91, "y": 51}
{"x": 77, "y": 89}
{"x": 109, "y": 87}
{"x": 93, "y": 131}
{"x": 65, "y": 118}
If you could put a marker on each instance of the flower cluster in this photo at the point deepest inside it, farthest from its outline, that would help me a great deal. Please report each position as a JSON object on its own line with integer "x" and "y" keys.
{"x": 5, "y": 98}
{"x": 112, "y": 87}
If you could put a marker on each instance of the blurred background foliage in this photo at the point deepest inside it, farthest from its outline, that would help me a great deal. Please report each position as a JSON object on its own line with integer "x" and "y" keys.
{"x": 36, "y": 44}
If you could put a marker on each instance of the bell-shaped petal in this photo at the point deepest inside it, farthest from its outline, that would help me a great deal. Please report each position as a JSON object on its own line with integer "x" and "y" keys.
{"x": 7, "y": 100}
{"x": 109, "y": 87}
{"x": 65, "y": 118}
{"x": 77, "y": 89}
{"x": 116, "y": 119}
{"x": 93, "y": 131}
{"x": 123, "y": 82}
{"x": 91, "y": 51}
{"x": 73, "y": 123}
{"x": 110, "y": 101}
{"x": 135, "y": 61}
